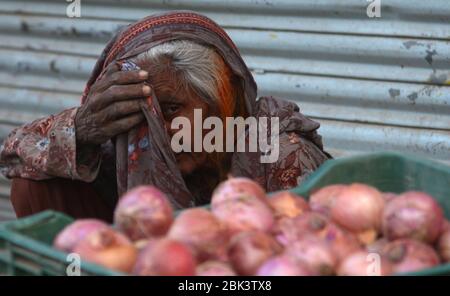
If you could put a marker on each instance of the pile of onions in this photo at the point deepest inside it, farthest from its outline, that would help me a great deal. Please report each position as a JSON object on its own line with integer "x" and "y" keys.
{"x": 214, "y": 268}
{"x": 248, "y": 250}
{"x": 69, "y": 237}
{"x": 109, "y": 248}
{"x": 359, "y": 208}
{"x": 322, "y": 200}
{"x": 315, "y": 253}
{"x": 286, "y": 204}
{"x": 364, "y": 263}
{"x": 165, "y": 257}
{"x": 407, "y": 255}
{"x": 203, "y": 232}
{"x": 342, "y": 230}
{"x": 283, "y": 265}
{"x": 413, "y": 215}
{"x": 143, "y": 212}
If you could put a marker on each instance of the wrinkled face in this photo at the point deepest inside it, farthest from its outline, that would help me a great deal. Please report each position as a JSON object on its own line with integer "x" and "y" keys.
{"x": 178, "y": 101}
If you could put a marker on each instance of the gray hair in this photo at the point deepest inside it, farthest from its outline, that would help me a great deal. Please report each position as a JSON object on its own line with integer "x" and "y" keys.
{"x": 196, "y": 64}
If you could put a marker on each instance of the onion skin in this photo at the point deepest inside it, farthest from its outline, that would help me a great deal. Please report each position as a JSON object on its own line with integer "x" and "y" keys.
{"x": 414, "y": 215}
{"x": 245, "y": 214}
{"x": 408, "y": 255}
{"x": 214, "y": 268}
{"x": 388, "y": 196}
{"x": 289, "y": 230}
{"x": 288, "y": 204}
{"x": 236, "y": 187}
{"x": 443, "y": 246}
{"x": 445, "y": 225}
{"x": 358, "y": 208}
{"x": 322, "y": 200}
{"x": 362, "y": 263}
{"x": 315, "y": 253}
{"x": 283, "y": 265}
{"x": 108, "y": 248}
{"x": 165, "y": 257}
{"x": 341, "y": 241}
{"x": 248, "y": 250}
{"x": 203, "y": 232}
{"x": 68, "y": 238}
{"x": 143, "y": 212}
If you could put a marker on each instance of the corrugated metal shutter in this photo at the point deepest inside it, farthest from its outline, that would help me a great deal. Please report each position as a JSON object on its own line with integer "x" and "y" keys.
{"x": 373, "y": 83}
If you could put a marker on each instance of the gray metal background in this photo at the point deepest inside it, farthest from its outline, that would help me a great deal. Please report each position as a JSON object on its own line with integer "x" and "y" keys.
{"x": 374, "y": 84}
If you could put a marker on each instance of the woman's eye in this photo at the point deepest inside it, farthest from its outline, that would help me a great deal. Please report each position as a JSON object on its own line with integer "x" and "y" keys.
{"x": 170, "y": 110}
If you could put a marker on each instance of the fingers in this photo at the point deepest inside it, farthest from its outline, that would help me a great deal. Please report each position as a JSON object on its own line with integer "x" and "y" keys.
{"x": 119, "y": 93}
{"x": 124, "y": 124}
{"x": 111, "y": 68}
{"x": 101, "y": 84}
{"x": 117, "y": 110}
{"x": 128, "y": 77}
{"x": 113, "y": 76}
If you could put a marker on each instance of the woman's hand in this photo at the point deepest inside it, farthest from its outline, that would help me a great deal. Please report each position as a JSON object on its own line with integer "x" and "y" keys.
{"x": 112, "y": 106}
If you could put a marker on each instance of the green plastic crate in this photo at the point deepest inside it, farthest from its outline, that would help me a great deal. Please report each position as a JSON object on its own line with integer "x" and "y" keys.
{"x": 26, "y": 247}
{"x": 25, "y": 244}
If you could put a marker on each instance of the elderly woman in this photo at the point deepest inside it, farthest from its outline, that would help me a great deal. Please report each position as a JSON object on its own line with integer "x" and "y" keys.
{"x": 162, "y": 67}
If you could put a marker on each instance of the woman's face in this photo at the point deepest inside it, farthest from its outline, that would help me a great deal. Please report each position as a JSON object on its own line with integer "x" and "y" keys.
{"x": 176, "y": 101}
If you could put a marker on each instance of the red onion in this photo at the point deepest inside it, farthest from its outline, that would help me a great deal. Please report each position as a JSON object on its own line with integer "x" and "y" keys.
{"x": 322, "y": 200}
{"x": 143, "y": 212}
{"x": 315, "y": 253}
{"x": 358, "y": 208}
{"x": 409, "y": 255}
{"x": 165, "y": 257}
{"x": 339, "y": 240}
{"x": 288, "y": 204}
{"x": 445, "y": 225}
{"x": 248, "y": 250}
{"x": 283, "y": 265}
{"x": 202, "y": 231}
{"x": 214, "y": 268}
{"x": 443, "y": 246}
{"x": 388, "y": 196}
{"x": 244, "y": 214}
{"x": 288, "y": 230}
{"x": 235, "y": 189}
{"x": 108, "y": 248}
{"x": 363, "y": 263}
{"x": 413, "y": 215}
{"x": 68, "y": 238}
